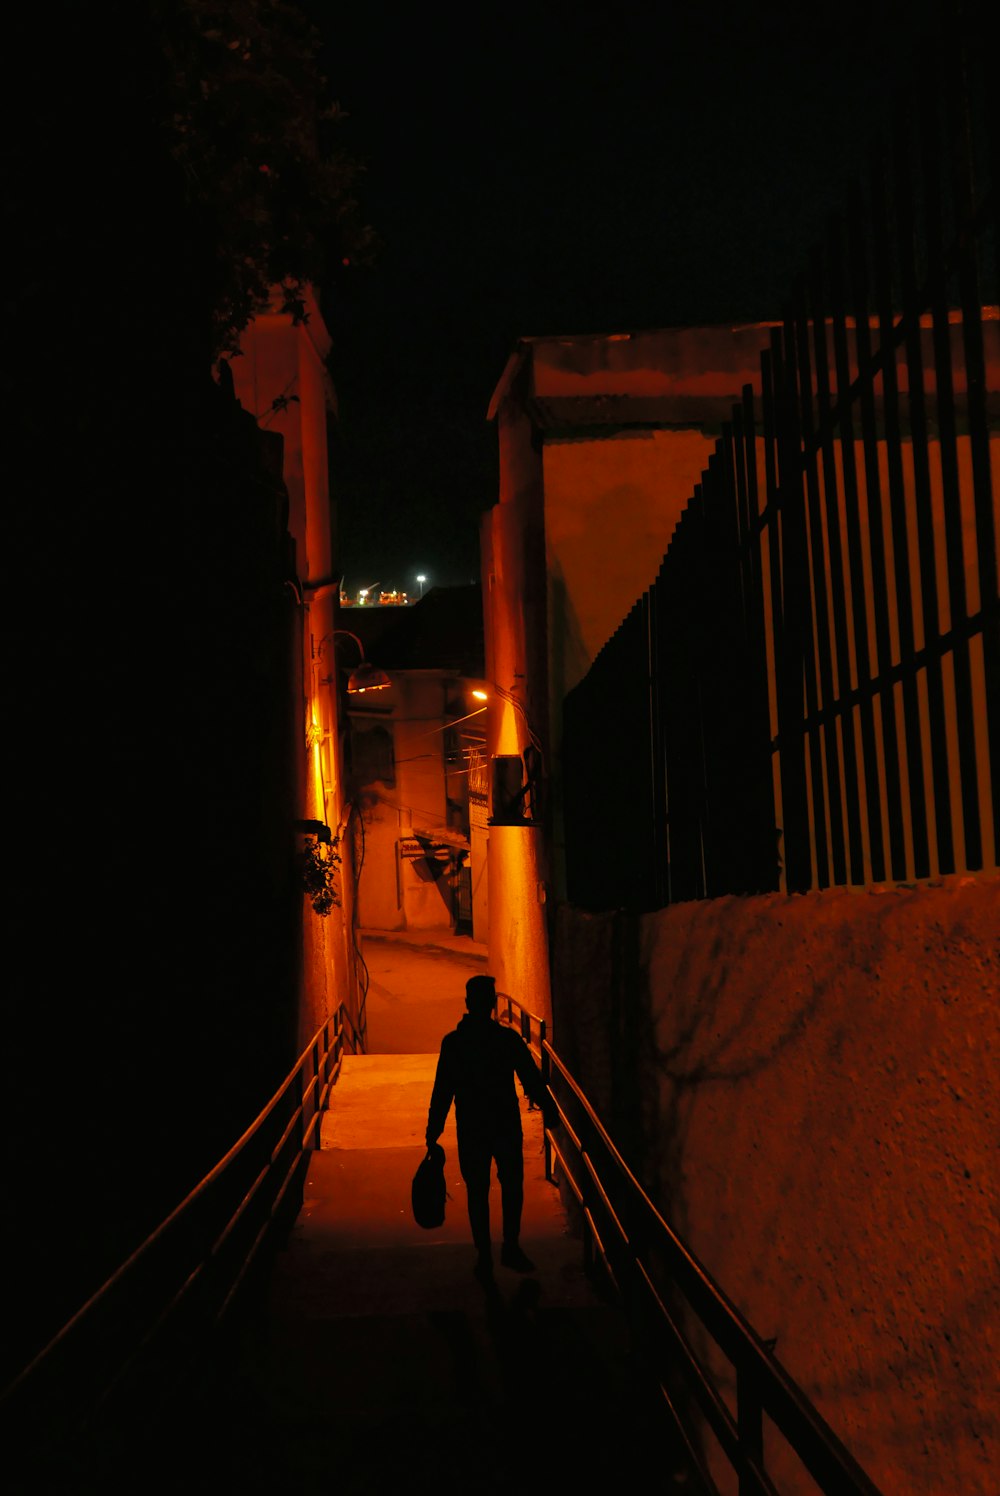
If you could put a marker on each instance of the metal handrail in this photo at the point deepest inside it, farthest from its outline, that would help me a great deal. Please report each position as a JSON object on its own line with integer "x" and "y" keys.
{"x": 181, "y": 1283}
{"x": 533, "y": 1031}
{"x": 645, "y": 1259}
{"x": 134, "y": 1336}
{"x": 530, "y": 1026}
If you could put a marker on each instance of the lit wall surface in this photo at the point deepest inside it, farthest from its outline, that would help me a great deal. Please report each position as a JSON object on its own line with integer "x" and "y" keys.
{"x": 280, "y": 378}
{"x": 399, "y": 890}
{"x": 822, "y": 1070}
{"x": 611, "y": 505}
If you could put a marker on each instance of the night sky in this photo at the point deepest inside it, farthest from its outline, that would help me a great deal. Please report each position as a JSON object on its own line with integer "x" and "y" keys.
{"x": 558, "y": 169}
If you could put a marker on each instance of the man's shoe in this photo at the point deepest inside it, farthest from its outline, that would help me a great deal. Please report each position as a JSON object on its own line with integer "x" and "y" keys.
{"x": 513, "y": 1257}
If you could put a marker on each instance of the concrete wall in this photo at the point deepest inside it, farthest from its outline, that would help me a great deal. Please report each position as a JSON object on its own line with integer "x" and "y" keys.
{"x": 808, "y": 1086}
{"x": 512, "y": 539}
{"x": 601, "y": 440}
{"x": 281, "y": 379}
{"x": 611, "y": 506}
{"x": 406, "y": 893}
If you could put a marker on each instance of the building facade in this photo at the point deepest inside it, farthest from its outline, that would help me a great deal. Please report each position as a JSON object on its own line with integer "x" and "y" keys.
{"x": 415, "y": 758}
{"x": 280, "y": 376}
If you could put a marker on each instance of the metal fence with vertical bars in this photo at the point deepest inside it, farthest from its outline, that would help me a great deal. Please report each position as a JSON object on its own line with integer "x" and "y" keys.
{"x": 809, "y": 693}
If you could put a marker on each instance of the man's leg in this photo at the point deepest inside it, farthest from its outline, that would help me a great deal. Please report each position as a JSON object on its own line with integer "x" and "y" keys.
{"x": 510, "y": 1172}
{"x": 475, "y": 1162}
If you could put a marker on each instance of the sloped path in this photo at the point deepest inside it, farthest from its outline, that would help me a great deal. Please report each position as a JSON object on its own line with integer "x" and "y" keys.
{"x": 416, "y": 987}
{"x": 381, "y": 1365}
{"x": 403, "y": 1363}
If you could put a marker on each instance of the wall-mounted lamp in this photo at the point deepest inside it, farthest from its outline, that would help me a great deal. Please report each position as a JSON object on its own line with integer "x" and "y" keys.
{"x": 365, "y": 676}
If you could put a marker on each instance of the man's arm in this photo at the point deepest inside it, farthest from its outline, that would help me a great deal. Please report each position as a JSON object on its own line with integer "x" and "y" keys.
{"x": 534, "y": 1087}
{"x": 527, "y": 1071}
{"x": 442, "y": 1095}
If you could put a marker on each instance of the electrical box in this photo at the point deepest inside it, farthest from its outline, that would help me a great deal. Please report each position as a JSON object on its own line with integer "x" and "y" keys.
{"x": 508, "y": 791}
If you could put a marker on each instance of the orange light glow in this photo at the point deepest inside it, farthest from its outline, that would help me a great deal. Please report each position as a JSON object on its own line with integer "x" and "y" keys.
{"x": 508, "y": 737}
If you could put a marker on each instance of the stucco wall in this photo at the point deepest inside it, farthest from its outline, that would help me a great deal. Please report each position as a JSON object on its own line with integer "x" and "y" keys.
{"x": 398, "y": 894}
{"x": 819, "y": 1122}
{"x": 516, "y": 668}
{"x": 611, "y": 507}
{"x": 281, "y": 361}
{"x": 518, "y": 947}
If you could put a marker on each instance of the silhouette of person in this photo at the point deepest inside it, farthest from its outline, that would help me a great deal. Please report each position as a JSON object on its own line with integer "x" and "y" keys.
{"x": 476, "y": 1069}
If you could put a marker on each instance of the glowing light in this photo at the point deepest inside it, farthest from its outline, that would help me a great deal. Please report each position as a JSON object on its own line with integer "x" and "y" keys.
{"x": 365, "y": 676}
{"x": 508, "y": 736}
{"x": 479, "y": 696}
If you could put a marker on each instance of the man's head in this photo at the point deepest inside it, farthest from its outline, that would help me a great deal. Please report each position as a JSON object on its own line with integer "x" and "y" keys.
{"x": 480, "y": 996}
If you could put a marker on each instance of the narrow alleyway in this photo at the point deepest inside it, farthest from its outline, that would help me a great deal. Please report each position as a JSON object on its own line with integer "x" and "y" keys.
{"x": 381, "y": 1363}
{"x": 416, "y": 987}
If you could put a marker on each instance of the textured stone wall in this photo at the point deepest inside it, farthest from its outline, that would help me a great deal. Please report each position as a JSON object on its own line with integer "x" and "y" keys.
{"x": 816, "y": 1113}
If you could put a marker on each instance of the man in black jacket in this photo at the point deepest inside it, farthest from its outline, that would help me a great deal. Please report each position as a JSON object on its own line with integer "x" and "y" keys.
{"x": 476, "y": 1070}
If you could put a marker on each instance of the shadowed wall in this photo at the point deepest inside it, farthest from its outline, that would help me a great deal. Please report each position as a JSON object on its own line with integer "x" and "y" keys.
{"x": 816, "y": 1116}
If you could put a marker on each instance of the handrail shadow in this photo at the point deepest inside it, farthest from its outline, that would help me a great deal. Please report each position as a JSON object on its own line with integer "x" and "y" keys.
{"x": 121, "y": 1357}
{"x": 125, "y": 1351}
{"x": 657, "y": 1279}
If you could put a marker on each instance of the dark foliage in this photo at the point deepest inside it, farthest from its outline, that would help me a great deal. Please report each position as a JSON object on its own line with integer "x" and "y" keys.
{"x": 153, "y": 908}
{"x": 245, "y": 113}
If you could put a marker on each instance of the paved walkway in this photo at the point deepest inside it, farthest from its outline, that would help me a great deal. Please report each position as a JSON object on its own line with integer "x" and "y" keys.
{"x": 381, "y": 1364}
{"x": 416, "y": 987}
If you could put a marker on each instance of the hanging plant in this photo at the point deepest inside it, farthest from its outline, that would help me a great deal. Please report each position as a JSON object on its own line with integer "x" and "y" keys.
{"x": 318, "y": 865}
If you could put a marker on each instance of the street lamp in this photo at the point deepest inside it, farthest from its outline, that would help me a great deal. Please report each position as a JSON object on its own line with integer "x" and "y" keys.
{"x": 365, "y": 676}
{"x": 421, "y": 579}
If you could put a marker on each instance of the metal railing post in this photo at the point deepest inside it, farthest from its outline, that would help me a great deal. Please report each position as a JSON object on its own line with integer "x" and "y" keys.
{"x": 303, "y": 1088}
{"x": 526, "y": 1036}
{"x": 546, "y": 1079}
{"x": 317, "y": 1086}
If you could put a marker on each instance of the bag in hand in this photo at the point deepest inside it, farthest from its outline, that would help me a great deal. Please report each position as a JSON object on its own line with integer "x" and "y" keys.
{"x": 428, "y": 1192}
